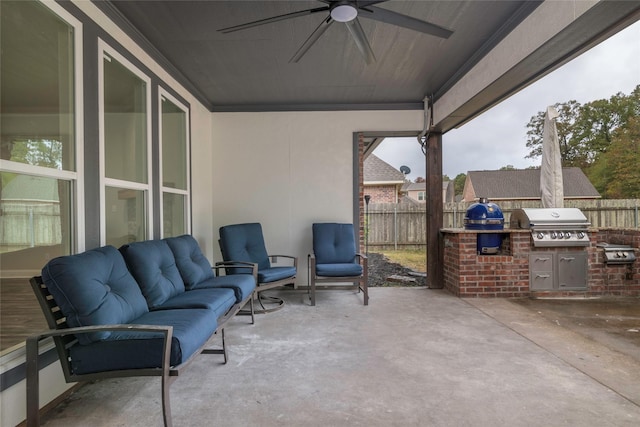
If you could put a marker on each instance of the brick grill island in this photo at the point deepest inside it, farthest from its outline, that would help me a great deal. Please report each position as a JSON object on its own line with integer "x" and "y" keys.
{"x": 507, "y": 274}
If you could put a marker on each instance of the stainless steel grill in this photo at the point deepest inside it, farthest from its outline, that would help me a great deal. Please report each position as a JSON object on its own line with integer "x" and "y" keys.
{"x": 617, "y": 254}
{"x": 553, "y": 227}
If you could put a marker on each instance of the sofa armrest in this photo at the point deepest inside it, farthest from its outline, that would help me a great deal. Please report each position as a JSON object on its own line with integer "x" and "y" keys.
{"x": 32, "y": 365}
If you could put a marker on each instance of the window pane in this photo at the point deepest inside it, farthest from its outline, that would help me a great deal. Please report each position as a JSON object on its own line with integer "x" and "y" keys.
{"x": 174, "y": 212}
{"x": 35, "y": 220}
{"x": 35, "y": 226}
{"x": 174, "y": 146}
{"x": 36, "y": 87}
{"x": 125, "y": 216}
{"x": 125, "y": 123}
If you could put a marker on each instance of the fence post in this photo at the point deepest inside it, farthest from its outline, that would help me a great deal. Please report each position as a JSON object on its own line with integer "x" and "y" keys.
{"x": 395, "y": 227}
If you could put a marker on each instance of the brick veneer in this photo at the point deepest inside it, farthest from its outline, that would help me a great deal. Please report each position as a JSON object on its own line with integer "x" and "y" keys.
{"x": 467, "y": 274}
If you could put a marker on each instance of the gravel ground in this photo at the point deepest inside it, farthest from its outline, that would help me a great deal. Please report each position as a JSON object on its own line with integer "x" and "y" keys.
{"x": 383, "y": 272}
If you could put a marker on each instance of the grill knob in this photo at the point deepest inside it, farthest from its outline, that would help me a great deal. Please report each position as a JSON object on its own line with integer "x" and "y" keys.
{"x": 580, "y": 235}
{"x": 553, "y": 235}
{"x": 540, "y": 235}
{"x": 567, "y": 235}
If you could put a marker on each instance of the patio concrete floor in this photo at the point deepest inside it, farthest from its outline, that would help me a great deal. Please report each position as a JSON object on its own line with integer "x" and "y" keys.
{"x": 413, "y": 357}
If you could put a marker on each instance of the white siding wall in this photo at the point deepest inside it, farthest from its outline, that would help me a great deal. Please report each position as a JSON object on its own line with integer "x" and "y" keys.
{"x": 288, "y": 170}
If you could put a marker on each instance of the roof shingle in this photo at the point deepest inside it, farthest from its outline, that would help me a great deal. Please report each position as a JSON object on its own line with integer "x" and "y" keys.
{"x": 525, "y": 184}
{"x": 377, "y": 170}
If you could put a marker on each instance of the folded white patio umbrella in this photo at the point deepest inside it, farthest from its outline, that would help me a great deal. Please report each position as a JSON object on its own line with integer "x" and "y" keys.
{"x": 551, "y": 185}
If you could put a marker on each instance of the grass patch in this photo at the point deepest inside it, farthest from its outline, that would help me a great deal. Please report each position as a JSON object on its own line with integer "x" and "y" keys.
{"x": 415, "y": 259}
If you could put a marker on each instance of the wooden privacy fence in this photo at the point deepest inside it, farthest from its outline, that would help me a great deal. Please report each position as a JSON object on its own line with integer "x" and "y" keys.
{"x": 404, "y": 226}
{"x": 25, "y": 226}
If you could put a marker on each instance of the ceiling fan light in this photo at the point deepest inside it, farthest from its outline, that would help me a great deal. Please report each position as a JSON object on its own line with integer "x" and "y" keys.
{"x": 344, "y": 13}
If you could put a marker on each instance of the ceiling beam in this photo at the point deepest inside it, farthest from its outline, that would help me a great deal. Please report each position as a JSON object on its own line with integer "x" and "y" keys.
{"x": 552, "y": 35}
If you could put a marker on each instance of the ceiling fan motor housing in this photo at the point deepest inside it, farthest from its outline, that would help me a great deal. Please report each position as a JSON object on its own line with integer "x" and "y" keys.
{"x": 344, "y": 11}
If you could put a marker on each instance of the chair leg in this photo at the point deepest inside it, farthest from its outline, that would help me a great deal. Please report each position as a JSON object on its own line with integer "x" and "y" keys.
{"x": 33, "y": 399}
{"x": 224, "y": 347}
{"x": 253, "y": 312}
{"x": 313, "y": 290}
{"x": 166, "y": 403}
{"x": 365, "y": 291}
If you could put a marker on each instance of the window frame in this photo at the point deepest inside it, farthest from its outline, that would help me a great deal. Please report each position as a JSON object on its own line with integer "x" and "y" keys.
{"x": 76, "y": 176}
{"x": 162, "y": 93}
{"x": 106, "y": 51}
{"x": 14, "y": 356}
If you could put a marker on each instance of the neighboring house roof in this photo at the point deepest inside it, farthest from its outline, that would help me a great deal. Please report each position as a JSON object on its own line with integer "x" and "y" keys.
{"x": 447, "y": 189}
{"x": 32, "y": 188}
{"x": 377, "y": 171}
{"x": 415, "y": 186}
{"x": 525, "y": 184}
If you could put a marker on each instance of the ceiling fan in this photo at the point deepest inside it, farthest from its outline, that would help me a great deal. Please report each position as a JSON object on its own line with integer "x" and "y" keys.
{"x": 348, "y": 12}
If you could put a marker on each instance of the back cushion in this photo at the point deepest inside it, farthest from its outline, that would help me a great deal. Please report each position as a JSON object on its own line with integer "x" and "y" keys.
{"x": 333, "y": 243}
{"x": 94, "y": 288}
{"x": 244, "y": 242}
{"x": 194, "y": 267}
{"x": 152, "y": 264}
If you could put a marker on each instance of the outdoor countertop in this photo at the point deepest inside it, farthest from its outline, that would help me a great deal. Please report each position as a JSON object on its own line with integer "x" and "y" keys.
{"x": 465, "y": 231}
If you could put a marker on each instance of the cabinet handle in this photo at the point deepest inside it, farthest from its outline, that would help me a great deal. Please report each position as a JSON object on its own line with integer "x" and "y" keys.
{"x": 542, "y": 259}
{"x": 542, "y": 276}
{"x": 567, "y": 259}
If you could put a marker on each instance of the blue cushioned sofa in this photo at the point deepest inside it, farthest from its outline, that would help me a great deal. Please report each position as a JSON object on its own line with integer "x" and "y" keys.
{"x": 146, "y": 309}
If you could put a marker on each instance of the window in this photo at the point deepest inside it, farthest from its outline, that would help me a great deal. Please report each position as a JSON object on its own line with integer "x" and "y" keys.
{"x": 40, "y": 144}
{"x": 421, "y": 196}
{"x": 124, "y": 99}
{"x": 174, "y": 153}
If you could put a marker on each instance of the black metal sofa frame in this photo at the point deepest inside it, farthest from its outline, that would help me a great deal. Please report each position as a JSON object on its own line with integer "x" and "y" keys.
{"x": 64, "y": 337}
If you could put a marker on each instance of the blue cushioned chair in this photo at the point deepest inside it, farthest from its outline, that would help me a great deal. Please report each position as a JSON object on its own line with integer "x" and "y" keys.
{"x": 244, "y": 243}
{"x": 335, "y": 259}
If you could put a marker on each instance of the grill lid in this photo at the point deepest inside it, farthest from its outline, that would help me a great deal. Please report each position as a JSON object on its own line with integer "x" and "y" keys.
{"x": 548, "y": 217}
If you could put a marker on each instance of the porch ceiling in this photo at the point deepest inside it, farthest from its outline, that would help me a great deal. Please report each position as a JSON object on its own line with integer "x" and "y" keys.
{"x": 250, "y": 70}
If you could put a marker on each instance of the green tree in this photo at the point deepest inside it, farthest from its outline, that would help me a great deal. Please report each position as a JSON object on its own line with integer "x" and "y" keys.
{"x": 585, "y": 131}
{"x": 616, "y": 173}
{"x": 601, "y": 137}
{"x": 458, "y": 183}
{"x": 567, "y": 116}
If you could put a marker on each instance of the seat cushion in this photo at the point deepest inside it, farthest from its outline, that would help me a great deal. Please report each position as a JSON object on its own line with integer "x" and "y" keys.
{"x": 273, "y": 274}
{"x": 135, "y": 350}
{"x": 152, "y": 264}
{"x": 338, "y": 270}
{"x": 94, "y": 288}
{"x": 220, "y": 300}
{"x": 241, "y": 284}
{"x": 334, "y": 243}
{"x": 193, "y": 266}
{"x": 244, "y": 242}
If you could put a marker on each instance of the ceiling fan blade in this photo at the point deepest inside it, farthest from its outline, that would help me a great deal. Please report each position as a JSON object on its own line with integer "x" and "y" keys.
{"x": 367, "y": 3}
{"x": 360, "y": 38}
{"x": 326, "y": 23}
{"x": 394, "y": 18}
{"x": 273, "y": 19}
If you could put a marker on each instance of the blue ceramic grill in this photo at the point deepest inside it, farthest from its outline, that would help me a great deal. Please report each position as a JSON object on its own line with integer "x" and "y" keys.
{"x": 484, "y": 216}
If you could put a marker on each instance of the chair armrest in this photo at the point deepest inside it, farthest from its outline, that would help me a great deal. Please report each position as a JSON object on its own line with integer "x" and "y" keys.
{"x": 294, "y": 259}
{"x": 237, "y": 264}
{"x": 362, "y": 259}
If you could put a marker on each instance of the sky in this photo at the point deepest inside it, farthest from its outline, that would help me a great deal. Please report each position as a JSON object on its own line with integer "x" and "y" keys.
{"x": 498, "y": 137}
